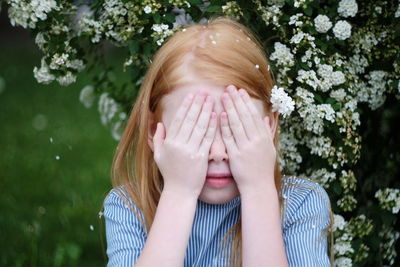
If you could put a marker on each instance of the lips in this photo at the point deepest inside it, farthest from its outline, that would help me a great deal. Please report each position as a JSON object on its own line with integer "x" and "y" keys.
{"x": 219, "y": 175}
{"x": 219, "y": 181}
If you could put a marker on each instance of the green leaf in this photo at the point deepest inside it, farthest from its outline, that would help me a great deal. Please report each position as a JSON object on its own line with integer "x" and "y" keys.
{"x": 337, "y": 189}
{"x": 157, "y": 18}
{"x": 285, "y": 17}
{"x": 318, "y": 98}
{"x": 213, "y": 9}
{"x": 337, "y": 106}
{"x": 170, "y": 17}
{"x": 195, "y": 2}
{"x": 330, "y": 100}
{"x": 147, "y": 50}
{"x": 308, "y": 11}
{"x": 246, "y": 15}
{"x": 134, "y": 47}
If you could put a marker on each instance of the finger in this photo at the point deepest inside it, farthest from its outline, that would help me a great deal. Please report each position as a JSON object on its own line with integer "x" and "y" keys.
{"x": 191, "y": 118}
{"x": 227, "y": 136}
{"x": 257, "y": 117}
{"x": 268, "y": 127}
{"x": 234, "y": 121}
{"x": 209, "y": 136}
{"x": 158, "y": 139}
{"x": 244, "y": 112}
{"x": 202, "y": 123}
{"x": 180, "y": 116}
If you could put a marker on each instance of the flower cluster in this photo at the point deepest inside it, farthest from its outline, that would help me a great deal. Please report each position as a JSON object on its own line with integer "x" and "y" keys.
{"x": 161, "y": 32}
{"x": 342, "y": 30}
{"x": 389, "y": 199}
{"x": 281, "y": 101}
{"x": 322, "y": 23}
{"x": 28, "y": 13}
{"x": 232, "y": 9}
{"x": 347, "y": 8}
{"x": 342, "y": 243}
{"x": 387, "y": 246}
{"x": 111, "y": 113}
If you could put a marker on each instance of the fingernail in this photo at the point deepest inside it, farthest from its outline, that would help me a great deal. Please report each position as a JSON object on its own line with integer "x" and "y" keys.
{"x": 231, "y": 88}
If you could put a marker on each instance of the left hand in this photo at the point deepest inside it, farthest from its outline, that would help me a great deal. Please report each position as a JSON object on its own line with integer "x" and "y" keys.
{"x": 251, "y": 149}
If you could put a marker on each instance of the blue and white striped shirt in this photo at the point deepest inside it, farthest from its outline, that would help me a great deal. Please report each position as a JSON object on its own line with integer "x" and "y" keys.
{"x": 305, "y": 218}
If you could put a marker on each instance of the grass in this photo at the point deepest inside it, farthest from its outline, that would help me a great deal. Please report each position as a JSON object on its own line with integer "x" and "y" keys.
{"x": 50, "y": 205}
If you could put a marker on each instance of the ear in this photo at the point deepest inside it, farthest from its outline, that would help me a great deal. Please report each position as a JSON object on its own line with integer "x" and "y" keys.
{"x": 151, "y": 131}
{"x": 271, "y": 121}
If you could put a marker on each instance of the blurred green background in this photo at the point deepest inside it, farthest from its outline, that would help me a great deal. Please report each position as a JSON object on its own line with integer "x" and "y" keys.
{"x": 55, "y": 164}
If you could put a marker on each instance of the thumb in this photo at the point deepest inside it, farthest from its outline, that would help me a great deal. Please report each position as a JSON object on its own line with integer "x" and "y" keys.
{"x": 266, "y": 121}
{"x": 268, "y": 126}
{"x": 158, "y": 138}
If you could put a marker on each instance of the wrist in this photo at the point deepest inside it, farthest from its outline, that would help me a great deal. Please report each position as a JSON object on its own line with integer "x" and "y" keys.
{"x": 179, "y": 194}
{"x": 265, "y": 188}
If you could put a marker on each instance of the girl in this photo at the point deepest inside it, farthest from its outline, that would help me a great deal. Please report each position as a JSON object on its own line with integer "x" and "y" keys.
{"x": 196, "y": 177}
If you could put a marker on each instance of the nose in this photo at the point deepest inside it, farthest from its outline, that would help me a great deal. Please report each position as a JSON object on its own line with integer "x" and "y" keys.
{"x": 218, "y": 151}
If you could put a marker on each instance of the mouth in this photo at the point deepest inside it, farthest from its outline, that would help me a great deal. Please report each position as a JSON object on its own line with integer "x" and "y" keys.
{"x": 219, "y": 181}
{"x": 219, "y": 175}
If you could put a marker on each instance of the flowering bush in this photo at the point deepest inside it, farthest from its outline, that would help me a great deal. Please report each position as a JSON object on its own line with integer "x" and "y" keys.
{"x": 334, "y": 59}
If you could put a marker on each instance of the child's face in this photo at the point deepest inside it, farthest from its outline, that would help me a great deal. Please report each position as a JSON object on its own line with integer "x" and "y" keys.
{"x": 218, "y": 159}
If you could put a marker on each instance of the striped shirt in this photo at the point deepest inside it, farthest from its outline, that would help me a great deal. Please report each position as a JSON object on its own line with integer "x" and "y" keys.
{"x": 305, "y": 218}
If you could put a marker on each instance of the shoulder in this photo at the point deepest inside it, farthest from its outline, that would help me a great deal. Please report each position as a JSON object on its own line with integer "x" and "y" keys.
{"x": 304, "y": 197}
{"x": 299, "y": 188}
{"x": 120, "y": 207}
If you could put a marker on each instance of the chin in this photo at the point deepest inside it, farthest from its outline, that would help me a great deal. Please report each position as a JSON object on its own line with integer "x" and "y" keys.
{"x": 212, "y": 195}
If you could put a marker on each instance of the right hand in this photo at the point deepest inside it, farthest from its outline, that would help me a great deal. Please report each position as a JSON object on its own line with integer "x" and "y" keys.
{"x": 182, "y": 156}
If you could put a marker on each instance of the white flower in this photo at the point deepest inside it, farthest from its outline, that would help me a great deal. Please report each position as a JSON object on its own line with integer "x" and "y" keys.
{"x": 389, "y": 199}
{"x": 58, "y": 61}
{"x": 117, "y": 130}
{"x": 397, "y": 14}
{"x": 338, "y": 222}
{"x": 325, "y": 70}
{"x": 342, "y": 30}
{"x": 161, "y": 31}
{"x": 339, "y": 94}
{"x": 347, "y": 8}
{"x": 282, "y": 55}
{"x": 337, "y": 77}
{"x": 295, "y": 19}
{"x": 341, "y": 248}
{"x": 28, "y": 13}
{"x": 297, "y": 38}
{"x": 39, "y": 40}
{"x": 343, "y": 262}
{"x": 326, "y": 111}
{"x": 91, "y": 27}
{"x": 322, "y": 23}
{"x": 42, "y": 74}
{"x": 67, "y": 79}
{"x": 147, "y": 9}
{"x": 87, "y": 96}
{"x": 281, "y": 101}
{"x": 297, "y": 3}
{"x": 319, "y": 145}
{"x": 107, "y": 108}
